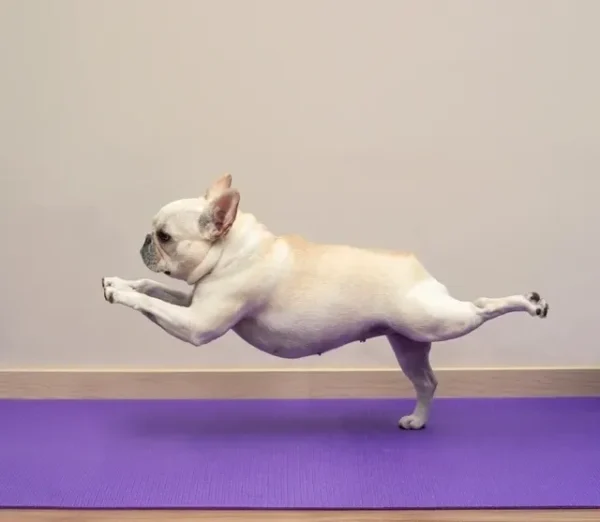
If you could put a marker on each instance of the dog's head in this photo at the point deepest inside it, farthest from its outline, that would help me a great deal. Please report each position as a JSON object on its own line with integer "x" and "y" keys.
{"x": 185, "y": 231}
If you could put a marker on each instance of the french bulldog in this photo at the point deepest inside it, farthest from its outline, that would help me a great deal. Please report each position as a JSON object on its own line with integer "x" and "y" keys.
{"x": 293, "y": 298}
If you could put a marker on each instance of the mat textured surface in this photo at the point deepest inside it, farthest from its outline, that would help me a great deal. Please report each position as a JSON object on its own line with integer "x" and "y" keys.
{"x": 297, "y": 454}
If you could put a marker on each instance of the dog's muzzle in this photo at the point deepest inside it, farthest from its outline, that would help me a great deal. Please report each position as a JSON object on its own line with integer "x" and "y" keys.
{"x": 148, "y": 253}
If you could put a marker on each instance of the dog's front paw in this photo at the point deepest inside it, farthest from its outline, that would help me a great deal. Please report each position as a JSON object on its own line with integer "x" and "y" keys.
{"x": 109, "y": 293}
{"x": 124, "y": 296}
{"x": 112, "y": 285}
{"x": 411, "y": 422}
{"x": 538, "y": 306}
{"x": 115, "y": 282}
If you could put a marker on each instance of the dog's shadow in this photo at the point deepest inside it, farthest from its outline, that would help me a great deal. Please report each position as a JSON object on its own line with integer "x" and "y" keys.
{"x": 245, "y": 423}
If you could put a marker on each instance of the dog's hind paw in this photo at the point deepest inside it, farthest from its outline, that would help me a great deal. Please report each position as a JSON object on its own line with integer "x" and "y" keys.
{"x": 411, "y": 422}
{"x": 539, "y": 306}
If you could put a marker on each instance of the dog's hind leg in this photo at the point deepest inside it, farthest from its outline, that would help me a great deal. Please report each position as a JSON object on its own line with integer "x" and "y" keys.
{"x": 429, "y": 314}
{"x": 413, "y": 358}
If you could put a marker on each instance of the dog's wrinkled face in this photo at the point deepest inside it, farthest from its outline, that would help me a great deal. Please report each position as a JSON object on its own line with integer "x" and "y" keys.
{"x": 184, "y": 231}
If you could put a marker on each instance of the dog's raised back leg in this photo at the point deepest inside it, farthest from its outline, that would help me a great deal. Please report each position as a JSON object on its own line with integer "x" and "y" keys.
{"x": 413, "y": 358}
{"x": 429, "y": 314}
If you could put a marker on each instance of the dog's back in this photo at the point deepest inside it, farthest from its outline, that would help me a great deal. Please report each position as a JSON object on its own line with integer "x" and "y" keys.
{"x": 334, "y": 268}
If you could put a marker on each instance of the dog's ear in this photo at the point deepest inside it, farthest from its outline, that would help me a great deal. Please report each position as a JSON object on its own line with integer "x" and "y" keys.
{"x": 218, "y": 186}
{"x": 220, "y": 214}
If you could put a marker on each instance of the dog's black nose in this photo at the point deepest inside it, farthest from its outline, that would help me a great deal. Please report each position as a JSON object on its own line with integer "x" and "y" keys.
{"x": 148, "y": 240}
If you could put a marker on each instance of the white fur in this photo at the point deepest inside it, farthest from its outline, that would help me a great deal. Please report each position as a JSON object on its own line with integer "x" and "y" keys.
{"x": 292, "y": 298}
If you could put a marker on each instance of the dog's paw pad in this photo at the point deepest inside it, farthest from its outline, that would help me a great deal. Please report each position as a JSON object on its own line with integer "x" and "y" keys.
{"x": 540, "y": 307}
{"x": 411, "y": 422}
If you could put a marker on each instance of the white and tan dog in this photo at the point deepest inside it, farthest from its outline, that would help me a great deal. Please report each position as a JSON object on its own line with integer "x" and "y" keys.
{"x": 292, "y": 298}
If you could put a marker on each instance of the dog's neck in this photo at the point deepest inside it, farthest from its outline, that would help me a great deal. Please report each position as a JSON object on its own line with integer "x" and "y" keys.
{"x": 246, "y": 237}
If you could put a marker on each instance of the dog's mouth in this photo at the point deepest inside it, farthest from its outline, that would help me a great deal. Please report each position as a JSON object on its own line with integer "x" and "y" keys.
{"x": 167, "y": 272}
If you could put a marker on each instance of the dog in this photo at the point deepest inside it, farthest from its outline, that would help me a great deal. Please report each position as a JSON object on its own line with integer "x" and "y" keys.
{"x": 293, "y": 298}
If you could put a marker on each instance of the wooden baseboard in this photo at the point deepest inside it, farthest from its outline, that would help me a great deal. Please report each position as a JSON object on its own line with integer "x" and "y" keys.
{"x": 571, "y": 515}
{"x": 279, "y": 384}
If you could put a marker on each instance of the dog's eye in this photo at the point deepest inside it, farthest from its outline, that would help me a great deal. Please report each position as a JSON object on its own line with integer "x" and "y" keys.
{"x": 163, "y": 237}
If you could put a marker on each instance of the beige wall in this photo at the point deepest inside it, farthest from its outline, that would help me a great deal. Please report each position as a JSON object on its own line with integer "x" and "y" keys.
{"x": 465, "y": 130}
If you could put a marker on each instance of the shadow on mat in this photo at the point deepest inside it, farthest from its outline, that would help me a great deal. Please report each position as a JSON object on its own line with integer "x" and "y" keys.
{"x": 236, "y": 424}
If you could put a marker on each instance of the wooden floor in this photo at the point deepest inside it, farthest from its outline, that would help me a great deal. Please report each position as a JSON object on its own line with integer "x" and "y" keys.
{"x": 300, "y": 516}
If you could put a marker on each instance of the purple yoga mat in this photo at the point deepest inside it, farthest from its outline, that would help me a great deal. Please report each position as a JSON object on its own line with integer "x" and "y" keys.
{"x": 345, "y": 454}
